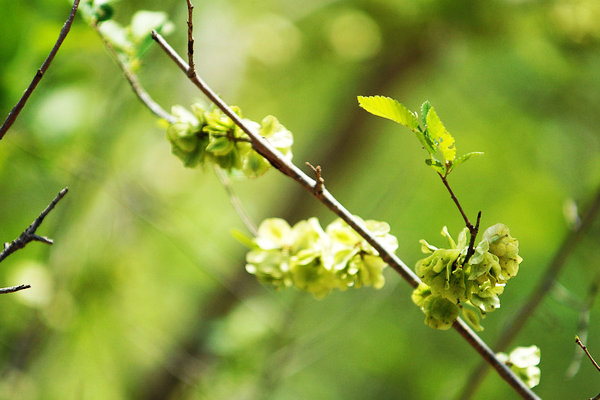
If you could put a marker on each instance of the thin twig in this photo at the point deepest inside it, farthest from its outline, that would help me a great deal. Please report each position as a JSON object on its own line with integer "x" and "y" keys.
{"x": 473, "y": 230}
{"x": 13, "y": 289}
{"x": 192, "y": 69}
{"x": 29, "y": 234}
{"x": 471, "y": 249}
{"x": 235, "y": 201}
{"x": 519, "y": 319}
{"x": 587, "y": 352}
{"x": 133, "y": 80}
{"x": 467, "y": 222}
{"x": 14, "y": 113}
{"x": 320, "y": 182}
{"x": 264, "y": 148}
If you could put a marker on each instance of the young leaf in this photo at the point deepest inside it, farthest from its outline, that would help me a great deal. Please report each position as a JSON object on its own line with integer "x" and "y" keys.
{"x": 425, "y": 107}
{"x": 443, "y": 139}
{"x": 436, "y": 165}
{"x": 464, "y": 158}
{"x": 391, "y": 109}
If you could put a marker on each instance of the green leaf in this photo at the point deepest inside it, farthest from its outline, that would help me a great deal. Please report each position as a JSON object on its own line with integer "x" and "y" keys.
{"x": 391, "y": 109}
{"x": 425, "y": 107}
{"x": 437, "y": 131}
{"x": 464, "y": 158}
{"x": 436, "y": 165}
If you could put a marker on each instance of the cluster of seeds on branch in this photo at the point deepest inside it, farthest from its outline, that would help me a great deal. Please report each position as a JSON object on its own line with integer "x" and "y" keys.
{"x": 451, "y": 285}
{"x": 202, "y": 136}
{"x": 524, "y": 361}
{"x": 318, "y": 260}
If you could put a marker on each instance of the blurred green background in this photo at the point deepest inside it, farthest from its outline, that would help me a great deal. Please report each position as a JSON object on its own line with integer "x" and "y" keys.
{"x": 144, "y": 293}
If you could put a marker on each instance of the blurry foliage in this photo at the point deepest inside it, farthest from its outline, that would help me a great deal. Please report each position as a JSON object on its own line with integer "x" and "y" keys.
{"x": 143, "y": 260}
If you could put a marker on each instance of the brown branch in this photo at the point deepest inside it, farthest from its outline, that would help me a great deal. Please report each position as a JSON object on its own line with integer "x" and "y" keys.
{"x": 473, "y": 230}
{"x": 549, "y": 276}
{"x": 29, "y": 234}
{"x": 14, "y": 113}
{"x": 133, "y": 80}
{"x": 467, "y": 222}
{"x": 13, "y": 289}
{"x": 587, "y": 352}
{"x": 192, "y": 69}
{"x": 265, "y": 149}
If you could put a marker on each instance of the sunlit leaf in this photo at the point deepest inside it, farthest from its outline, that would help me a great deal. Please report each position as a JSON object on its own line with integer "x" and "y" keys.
{"x": 464, "y": 158}
{"x": 443, "y": 139}
{"x": 389, "y": 108}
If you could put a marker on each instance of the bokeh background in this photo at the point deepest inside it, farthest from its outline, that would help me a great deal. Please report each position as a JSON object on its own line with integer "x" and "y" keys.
{"x": 144, "y": 293}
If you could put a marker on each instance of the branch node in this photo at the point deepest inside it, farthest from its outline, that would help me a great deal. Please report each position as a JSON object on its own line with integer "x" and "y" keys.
{"x": 319, "y": 181}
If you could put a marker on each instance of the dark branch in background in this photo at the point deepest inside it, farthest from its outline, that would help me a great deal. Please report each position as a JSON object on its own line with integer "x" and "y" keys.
{"x": 28, "y": 236}
{"x": 14, "y": 113}
{"x": 133, "y": 80}
{"x": 263, "y": 147}
{"x": 535, "y": 298}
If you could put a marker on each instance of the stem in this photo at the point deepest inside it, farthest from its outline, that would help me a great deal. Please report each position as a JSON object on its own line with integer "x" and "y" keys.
{"x": 14, "y": 113}
{"x": 192, "y": 68}
{"x": 235, "y": 201}
{"x": 467, "y": 222}
{"x": 265, "y": 149}
{"x": 587, "y": 353}
{"x": 133, "y": 81}
{"x": 473, "y": 230}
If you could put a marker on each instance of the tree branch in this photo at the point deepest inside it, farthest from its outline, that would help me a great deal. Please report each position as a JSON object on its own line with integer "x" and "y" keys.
{"x": 265, "y": 149}
{"x": 587, "y": 352}
{"x": 12, "y": 289}
{"x": 14, "y": 113}
{"x": 29, "y": 234}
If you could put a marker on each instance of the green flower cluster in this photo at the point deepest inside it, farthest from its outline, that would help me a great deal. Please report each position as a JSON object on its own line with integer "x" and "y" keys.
{"x": 450, "y": 285}
{"x": 318, "y": 260}
{"x": 202, "y": 136}
{"x": 524, "y": 361}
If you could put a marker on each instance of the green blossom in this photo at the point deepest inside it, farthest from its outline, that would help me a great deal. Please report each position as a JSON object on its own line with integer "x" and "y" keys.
{"x": 476, "y": 284}
{"x": 315, "y": 260}
{"x": 524, "y": 361}
{"x": 200, "y": 137}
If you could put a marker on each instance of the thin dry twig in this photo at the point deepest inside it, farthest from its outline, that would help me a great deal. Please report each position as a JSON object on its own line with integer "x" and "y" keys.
{"x": 13, "y": 289}
{"x": 29, "y": 234}
{"x": 14, "y": 113}
{"x": 192, "y": 69}
{"x": 320, "y": 182}
{"x": 584, "y": 348}
{"x": 264, "y": 148}
{"x": 519, "y": 319}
